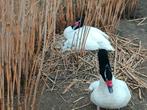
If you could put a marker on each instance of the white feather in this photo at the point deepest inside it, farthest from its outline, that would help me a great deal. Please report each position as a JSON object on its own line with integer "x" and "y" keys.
{"x": 101, "y": 97}
{"x": 95, "y": 39}
{"x": 93, "y": 85}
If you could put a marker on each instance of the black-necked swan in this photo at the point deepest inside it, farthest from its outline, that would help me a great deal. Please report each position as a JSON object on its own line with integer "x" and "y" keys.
{"x": 108, "y": 92}
{"x": 77, "y": 33}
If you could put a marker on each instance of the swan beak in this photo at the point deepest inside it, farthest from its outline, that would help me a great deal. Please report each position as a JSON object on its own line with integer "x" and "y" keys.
{"x": 110, "y": 89}
{"x": 76, "y": 24}
{"x": 109, "y": 85}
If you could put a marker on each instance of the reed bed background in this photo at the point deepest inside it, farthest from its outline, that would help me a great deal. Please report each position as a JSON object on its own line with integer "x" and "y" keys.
{"x": 100, "y": 13}
{"x": 131, "y": 6}
{"x": 25, "y": 26}
{"x": 30, "y": 48}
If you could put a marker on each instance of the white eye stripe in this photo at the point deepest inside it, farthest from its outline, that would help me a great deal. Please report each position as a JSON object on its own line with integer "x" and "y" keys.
{"x": 105, "y": 74}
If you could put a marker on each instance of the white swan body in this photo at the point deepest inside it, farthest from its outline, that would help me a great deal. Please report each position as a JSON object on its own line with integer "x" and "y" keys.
{"x": 101, "y": 97}
{"x": 95, "y": 39}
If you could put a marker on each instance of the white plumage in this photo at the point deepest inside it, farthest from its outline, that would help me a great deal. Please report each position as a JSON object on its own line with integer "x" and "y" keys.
{"x": 101, "y": 97}
{"x": 95, "y": 39}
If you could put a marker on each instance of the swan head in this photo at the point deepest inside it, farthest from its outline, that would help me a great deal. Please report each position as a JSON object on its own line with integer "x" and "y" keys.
{"x": 68, "y": 31}
{"x": 78, "y": 23}
{"x": 105, "y": 69}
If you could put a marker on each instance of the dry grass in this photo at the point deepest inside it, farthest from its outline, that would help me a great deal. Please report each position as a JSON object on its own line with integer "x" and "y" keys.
{"x": 100, "y": 13}
{"x": 125, "y": 61}
{"x": 72, "y": 72}
{"x": 24, "y": 24}
{"x": 131, "y": 6}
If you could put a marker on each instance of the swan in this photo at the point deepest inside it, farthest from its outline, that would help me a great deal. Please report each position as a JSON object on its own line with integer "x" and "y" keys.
{"x": 79, "y": 36}
{"x": 108, "y": 92}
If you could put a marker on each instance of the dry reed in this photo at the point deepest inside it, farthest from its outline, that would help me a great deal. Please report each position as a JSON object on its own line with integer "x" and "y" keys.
{"x": 131, "y": 6}
{"x": 99, "y": 13}
{"x": 24, "y": 25}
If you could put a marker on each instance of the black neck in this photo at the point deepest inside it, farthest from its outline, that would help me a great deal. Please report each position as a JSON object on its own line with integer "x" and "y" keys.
{"x": 74, "y": 28}
{"x": 104, "y": 65}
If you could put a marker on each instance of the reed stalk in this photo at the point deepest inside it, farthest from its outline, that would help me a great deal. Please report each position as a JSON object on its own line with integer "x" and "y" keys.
{"x": 23, "y": 29}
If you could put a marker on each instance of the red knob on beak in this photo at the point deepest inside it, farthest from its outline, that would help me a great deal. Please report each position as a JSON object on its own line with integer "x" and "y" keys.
{"x": 109, "y": 85}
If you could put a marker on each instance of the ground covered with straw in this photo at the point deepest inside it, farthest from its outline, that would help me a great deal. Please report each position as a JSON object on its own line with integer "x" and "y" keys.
{"x": 71, "y": 73}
